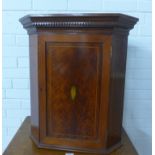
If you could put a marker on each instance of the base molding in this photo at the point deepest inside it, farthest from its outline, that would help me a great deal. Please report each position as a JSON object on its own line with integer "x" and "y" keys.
{"x": 102, "y": 151}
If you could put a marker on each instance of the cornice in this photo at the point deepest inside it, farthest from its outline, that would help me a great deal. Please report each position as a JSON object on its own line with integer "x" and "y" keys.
{"x": 78, "y": 21}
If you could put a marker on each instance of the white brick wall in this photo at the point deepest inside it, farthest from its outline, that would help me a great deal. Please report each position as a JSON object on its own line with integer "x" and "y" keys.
{"x": 120, "y": 5}
{"x": 16, "y": 96}
{"x": 85, "y": 5}
{"x": 49, "y": 5}
{"x": 16, "y": 5}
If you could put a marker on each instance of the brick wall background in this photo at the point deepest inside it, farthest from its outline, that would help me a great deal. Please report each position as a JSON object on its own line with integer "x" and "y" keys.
{"x": 16, "y": 96}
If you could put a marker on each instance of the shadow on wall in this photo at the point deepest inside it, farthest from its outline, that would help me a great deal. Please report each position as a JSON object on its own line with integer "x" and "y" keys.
{"x": 138, "y": 95}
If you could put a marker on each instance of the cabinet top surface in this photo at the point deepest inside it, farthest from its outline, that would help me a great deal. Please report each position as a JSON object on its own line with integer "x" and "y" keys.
{"x": 81, "y": 15}
{"x": 79, "y": 20}
{"x": 26, "y": 146}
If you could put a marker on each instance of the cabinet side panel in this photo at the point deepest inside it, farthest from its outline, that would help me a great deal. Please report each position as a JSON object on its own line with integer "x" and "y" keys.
{"x": 117, "y": 80}
{"x": 33, "y": 41}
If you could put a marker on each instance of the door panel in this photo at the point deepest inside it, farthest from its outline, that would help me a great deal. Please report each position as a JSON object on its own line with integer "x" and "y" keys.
{"x": 74, "y": 82}
{"x": 72, "y": 71}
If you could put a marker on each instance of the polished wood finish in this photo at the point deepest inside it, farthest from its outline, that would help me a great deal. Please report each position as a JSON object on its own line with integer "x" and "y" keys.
{"x": 68, "y": 68}
{"x": 77, "y": 74}
{"x": 21, "y": 144}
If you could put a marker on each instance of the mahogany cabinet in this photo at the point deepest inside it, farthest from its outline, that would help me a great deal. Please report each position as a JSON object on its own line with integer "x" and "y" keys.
{"x": 77, "y": 74}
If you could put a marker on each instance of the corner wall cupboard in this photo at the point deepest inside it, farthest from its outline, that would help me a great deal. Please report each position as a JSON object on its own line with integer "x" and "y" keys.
{"x": 77, "y": 74}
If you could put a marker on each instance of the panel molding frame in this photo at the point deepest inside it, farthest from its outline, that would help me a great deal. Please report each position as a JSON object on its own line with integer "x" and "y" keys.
{"x": 99, "y": 45}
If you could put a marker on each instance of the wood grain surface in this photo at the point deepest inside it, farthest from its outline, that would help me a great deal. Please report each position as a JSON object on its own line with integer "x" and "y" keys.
{"x": 77, "y": 74}
{"x": 23, "y": 145}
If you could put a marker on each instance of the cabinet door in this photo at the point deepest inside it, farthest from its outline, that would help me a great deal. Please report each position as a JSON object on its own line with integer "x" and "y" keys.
{"x": 72, "y": 109}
